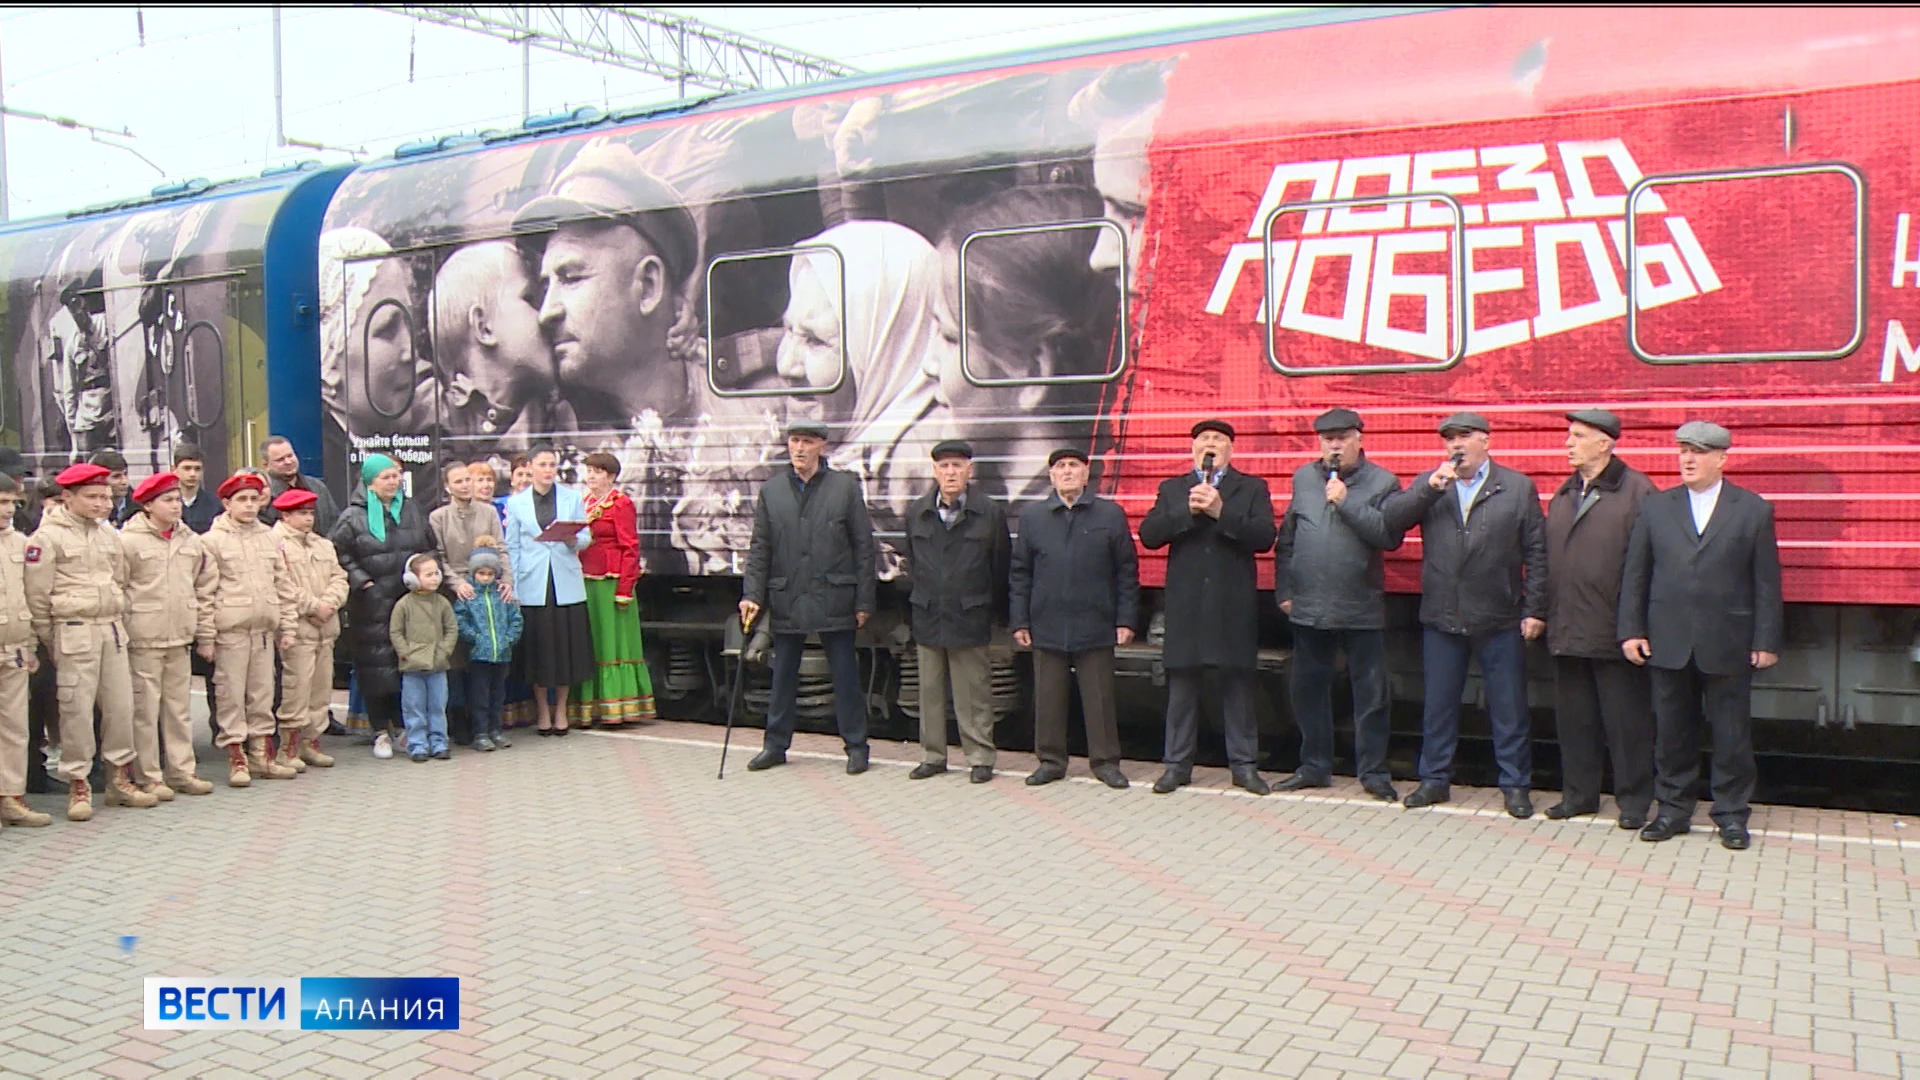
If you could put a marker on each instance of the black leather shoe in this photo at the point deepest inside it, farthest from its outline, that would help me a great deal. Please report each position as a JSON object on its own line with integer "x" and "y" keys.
{"x": 1173, "y": 779}
{"x": 1427, "y": 794}
{"x": 1248, "y": 778}
{"x": 1046, "y": 774}
{"x": 980, "y": 774}
{"x": 1381, "y": 789}
{"x": 857, "y": 760}
{"x": 1664, "y": 829}
{"x": 924, "y": 770}
{"x": 767, "y": 759}
{"x": 1298, "y": 781}
{"x": 1111, "y": 776}
{"x": 1560, "y": 811}
{"x": 1735, "y": 837}
{"x": 1633, "y": 821}
{"x": 1519, "y": 802}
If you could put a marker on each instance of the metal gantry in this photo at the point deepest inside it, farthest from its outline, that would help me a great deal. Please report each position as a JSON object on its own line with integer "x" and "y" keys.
{"x": 672, "y": 47}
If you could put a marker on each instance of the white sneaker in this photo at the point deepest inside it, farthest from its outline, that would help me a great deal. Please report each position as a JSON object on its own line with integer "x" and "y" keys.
{"x": 382, "y": 746}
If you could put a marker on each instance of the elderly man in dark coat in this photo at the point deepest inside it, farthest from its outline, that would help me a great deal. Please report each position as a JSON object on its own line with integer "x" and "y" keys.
{"x": 1483, "y": 595}
{"x": 957, "y": 553}
{"x": 811, "y": 565}
{"x": 1073, "y": 595}
{"x": 1700, "y": 602}
{"x": 1214, "y": 519}
{"x": 1603, "y": 706}
{"x": 1329, "y": 578}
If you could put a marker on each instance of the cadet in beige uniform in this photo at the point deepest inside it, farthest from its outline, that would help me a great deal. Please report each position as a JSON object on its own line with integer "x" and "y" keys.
{"x": 17, "y": 661}
{"x": 168, "y": 575}
{"x": 316, "y": 586}
{"x": 241, "y": 620}
{"x": 77, "y": 594}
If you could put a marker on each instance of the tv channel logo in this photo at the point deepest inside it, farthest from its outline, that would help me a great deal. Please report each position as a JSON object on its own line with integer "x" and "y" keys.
{"x": 310, "y": 1004}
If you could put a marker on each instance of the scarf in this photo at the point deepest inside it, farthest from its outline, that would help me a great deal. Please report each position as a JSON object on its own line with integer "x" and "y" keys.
{"x": 378, "y": 509}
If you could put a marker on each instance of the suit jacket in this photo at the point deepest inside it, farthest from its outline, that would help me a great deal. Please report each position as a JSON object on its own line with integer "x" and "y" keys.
{"x": 1711, "y": 597}
{"x": 534, "y": 561}
{"x": 1213, "y": 593}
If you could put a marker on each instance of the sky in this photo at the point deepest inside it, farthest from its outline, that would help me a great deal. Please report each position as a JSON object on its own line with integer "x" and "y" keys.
{"x": 197, "y": 96}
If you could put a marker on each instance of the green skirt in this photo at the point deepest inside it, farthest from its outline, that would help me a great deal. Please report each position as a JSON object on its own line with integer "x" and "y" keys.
{"x": 621, "y": 690}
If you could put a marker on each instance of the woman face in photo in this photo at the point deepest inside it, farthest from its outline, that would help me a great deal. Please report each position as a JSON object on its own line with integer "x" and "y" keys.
{"x": 809, "y": 353}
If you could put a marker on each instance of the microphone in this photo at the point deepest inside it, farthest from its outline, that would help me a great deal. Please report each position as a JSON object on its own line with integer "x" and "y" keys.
{"x": 1459, "y": 460}
{"x": 1331, "y": 463}
{"x": 1206, "y": 466}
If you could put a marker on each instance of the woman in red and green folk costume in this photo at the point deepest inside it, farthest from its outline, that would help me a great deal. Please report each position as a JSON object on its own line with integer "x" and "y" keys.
{"x": 622, "y": 690}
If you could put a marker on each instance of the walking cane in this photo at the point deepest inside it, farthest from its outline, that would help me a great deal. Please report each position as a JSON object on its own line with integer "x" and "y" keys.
{"x": 739, "y": 681}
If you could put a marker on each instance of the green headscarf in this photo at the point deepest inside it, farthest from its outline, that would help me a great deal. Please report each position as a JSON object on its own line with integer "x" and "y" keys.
{"x": 377, "y": 511}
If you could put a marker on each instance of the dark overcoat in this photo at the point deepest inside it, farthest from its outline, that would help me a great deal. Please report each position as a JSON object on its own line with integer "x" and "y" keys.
{"x": 1587, "y": 534}
{"x": 374, "y": 583}
{"x": 1075, "y": 575}
{"x": 1212, "y": 592}
{"x": 811, "y": 560}
{"x": 958, "y": 573}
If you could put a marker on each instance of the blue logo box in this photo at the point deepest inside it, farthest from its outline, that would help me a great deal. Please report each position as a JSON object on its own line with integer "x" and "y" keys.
{"x": 379, "y": 1004}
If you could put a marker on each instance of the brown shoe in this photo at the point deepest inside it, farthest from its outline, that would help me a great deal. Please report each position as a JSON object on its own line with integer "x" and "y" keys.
{"x": 261, "y": 763}
{"x": 237, "y": 775}
{"x": 121, "y": 792}
{"x": 190, "y": 785}
{"x": 79, "y": 801}
{"x": 310, "y": 753}
{"x": 14, "y": 812}
{"x": 289, "y": 755}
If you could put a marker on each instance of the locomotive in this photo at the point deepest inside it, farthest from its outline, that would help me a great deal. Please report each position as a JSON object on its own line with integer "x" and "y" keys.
{"x": 1518, "y": 212}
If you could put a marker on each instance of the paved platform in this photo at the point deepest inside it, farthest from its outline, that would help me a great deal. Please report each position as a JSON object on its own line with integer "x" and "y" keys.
{"x": 614, "y": 910}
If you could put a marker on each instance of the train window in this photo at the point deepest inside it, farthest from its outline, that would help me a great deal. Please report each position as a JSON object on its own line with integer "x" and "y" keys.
{"x": 1076, "y": 330}
{"x": 389, "y": 321}
{"x": 204, "y": 356}
{"x": 776, "y": 321}
{"x": 1771, "y": 263}
{"x": 1401, "y": 295}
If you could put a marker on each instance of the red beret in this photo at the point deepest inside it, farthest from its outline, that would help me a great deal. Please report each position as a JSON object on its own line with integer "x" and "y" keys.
{"x": 154, "y": 486}
{"x": 295, "y": 499}
{"x": 240, "y": 482}
{"x": 74, "y": 476}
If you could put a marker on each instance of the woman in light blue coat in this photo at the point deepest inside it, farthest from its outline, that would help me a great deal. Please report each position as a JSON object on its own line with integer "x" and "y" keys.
{"x": 556, "y": 649}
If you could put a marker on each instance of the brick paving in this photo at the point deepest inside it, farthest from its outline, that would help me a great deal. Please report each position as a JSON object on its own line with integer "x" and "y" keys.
{"x": 614, "y": 910}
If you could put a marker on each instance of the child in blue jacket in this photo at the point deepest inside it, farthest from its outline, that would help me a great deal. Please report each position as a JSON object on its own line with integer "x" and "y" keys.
{"x": 489, "y": 624}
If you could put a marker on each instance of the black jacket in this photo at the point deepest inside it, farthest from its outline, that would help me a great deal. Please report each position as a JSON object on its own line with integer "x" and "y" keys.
{"x": 959, "y": 574}
{"x": 1213, "y": 588}
{"x": 811, "y": 562}
{"x": 1485, "y": 575}
{"x": 374, "y": 570}
{"x": 325, "y": 514}
{"x": 1329, "y": 559}
{"x": 199, "y": 513}
{"x": 1586, "y": 551}
{"x": 1075, "y": 576}
{"x": 1713, "y": 597}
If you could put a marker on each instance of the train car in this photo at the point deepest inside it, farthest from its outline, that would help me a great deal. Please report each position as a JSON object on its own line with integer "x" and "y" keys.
{"x": 1672, "y": 214}
{"x": 143, "y": 324}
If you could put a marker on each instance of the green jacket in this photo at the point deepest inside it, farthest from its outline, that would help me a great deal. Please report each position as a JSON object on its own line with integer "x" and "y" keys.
{"x": 424, "y": 632}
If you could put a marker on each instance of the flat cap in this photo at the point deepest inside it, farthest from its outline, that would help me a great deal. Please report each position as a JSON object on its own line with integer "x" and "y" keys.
{"x": 1220, "y": 426}
{"x": 1465, "y": 421}
{"x": 1597, "y": 418}
{"x": 12, "y": 463}
{"x": 805, "y": 426}
{"x": 154, "y": 486}
{"x": 295, "y": 499}
{"x": 81, "y": 475}
{"x": 1337, "y": 420}
{"x": 606, "y": 182}
{"x": 1704, "y": 434}
{"x": 1066, "y": 452}
{"x": 239, "y": 482}
{"x": 952, "y": 448}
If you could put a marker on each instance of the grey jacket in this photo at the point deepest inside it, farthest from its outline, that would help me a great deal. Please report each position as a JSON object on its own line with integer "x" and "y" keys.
{"x": 1711, "y": 597}
{"x": 1329, "y": 558}
{"x": 1484, "y": 575}
{"x": 1075, "y": 574}
{"x": 811, "y": 561}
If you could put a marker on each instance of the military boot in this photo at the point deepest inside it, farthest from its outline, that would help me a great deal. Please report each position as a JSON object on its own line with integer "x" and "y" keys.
{"x": 237, "y": 775}
{"x": 79, "y": 801}
{"x": 190, "y": 785}
{"x": 260, "y": 761}
{"x": 289, "y": 755}
{"x": 121, "y": 792}
{"x": 163, "y": 792}
{"x": 14, "y": 812}
{"x": 310, "y": 753}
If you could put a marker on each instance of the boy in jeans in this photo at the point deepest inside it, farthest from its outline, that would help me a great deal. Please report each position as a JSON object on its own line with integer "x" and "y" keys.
{"x": 424, "y": 635}
{"x": 489, "y": 624}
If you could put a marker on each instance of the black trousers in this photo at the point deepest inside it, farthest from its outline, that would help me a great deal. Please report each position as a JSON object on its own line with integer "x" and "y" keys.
{"x": 1682, "y": 701}
{"x": 1183, "y": 715}
{"x": 1604, "y": 710}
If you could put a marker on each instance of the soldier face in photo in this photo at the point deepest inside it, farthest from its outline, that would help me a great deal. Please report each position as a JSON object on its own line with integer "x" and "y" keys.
{"x": 488, "y": 338}
{"x": 607, "y": 310}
